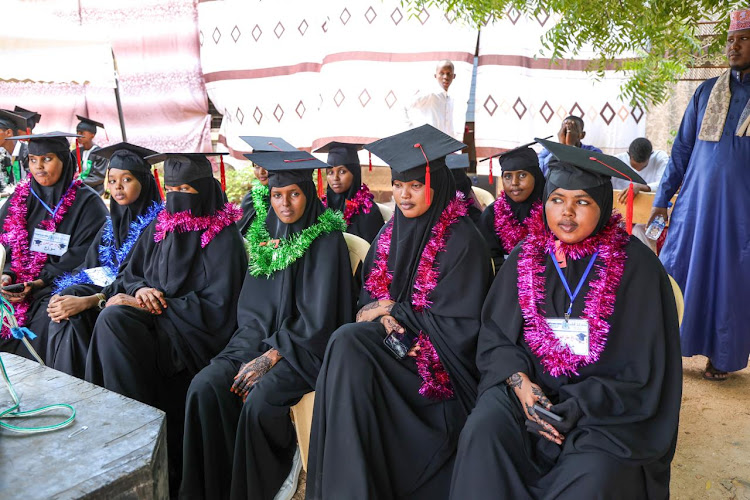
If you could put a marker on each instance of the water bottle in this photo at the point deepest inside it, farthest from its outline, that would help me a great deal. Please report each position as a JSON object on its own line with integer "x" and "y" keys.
{"x": 653, "y": 231}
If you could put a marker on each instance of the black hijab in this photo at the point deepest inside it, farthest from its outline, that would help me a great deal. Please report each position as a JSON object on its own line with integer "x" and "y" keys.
{"x": 338, "y": 201}
{"x": 121, "y": 215}
{"x": 566, "y": 176}
{"x": 313, "y": 208}
{"x": 526, "y": 160}
{"x": 410, "y": 236}
{"x": 50, "y": 195}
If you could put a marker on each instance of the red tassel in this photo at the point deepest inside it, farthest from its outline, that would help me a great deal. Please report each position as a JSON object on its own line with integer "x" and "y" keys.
{"x": 158, "y": 184}
{"x": 223, "y": 174}
{"x": 320, "y": 183}
{"x": 629, "y": 210}
{"x": 28, "y": 130}
{"x": 491, "y": 179}
{"x": 369, "y": 155}
{"x": 78, "y": 155}
{"x": 427, "y": 184}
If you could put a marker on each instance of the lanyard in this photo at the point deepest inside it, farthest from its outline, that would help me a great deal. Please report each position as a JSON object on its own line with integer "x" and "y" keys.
{"x": 47, "y": 207}
{"x": 580, "y": 282}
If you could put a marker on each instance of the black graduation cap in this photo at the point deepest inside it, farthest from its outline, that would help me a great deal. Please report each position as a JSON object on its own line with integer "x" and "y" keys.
{"x": 183, "y": 168}
{"x": 411, "y": 154}
{"x": 596, "y": 168}
{"x": 48, "y": 142}
{"x": 13, "y": 121}
{"x": 341, "y": 153}
{"x": 88, "y": 125}
{"x": 260, "y": 144}
{"x": 32, "y": 117}
{"x": 126, "y": 156}
{"x": 287, "y": 167}
{"x": 454, "y": 162}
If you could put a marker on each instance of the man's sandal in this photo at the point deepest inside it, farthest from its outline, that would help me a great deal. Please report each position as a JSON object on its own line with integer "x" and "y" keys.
{"x": 711, "y": 373}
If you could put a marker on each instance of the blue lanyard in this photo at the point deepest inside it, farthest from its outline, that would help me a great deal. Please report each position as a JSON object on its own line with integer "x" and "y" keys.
{"x": 580, "y": 283}
{"x": 47, "y": 207}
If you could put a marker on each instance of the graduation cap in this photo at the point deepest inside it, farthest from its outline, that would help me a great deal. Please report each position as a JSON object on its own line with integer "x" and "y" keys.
{"x": 592, "y": 169}
{"x": 126, "y": 156}
{"x": 88, "y": 125}
{"x": 339, "y": 153}
{"x": 287, "y": 167}
{"x": 261, "y": 144}
{"x": 12, "y": 121}
{"x": 32, "y": 117}
{"x": 411, "y": 154}
{"x": 183, "y": 168}
{"x": 48, "y": 142}
{"x": 521, "y": 158}
{"x": 454, "y": 162}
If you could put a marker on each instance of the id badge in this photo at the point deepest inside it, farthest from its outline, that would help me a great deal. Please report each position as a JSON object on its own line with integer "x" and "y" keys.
{"x": 100, "y": 276}
{"x": 50, "y": 243}
{"x": 573, "y": 333}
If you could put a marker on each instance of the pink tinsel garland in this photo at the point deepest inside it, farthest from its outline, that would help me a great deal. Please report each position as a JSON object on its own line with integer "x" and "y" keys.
{"x": 360, "y": 202}
{"x": 183, "y": 222}
{"x": 557, "y": 358}
{"x": 436, "y": 381}
{"x": 507, "y": 228}
{"x": 27, "y": 265}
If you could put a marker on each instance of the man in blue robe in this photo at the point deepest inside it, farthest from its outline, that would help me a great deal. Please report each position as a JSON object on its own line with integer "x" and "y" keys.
{"x": 707, "y": 250}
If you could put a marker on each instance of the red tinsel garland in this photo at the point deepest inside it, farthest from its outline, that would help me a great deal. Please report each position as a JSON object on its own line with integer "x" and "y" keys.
{"x": 557, "y": 358}
{"x": 436, "y": 383}
{"x": 183, "y": 222}
{"x": 27, "y": 265}
{"x": 507, "y": 228}
{"x": 360, "y": 202}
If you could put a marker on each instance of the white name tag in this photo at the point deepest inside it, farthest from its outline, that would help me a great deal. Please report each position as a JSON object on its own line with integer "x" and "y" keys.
{"x": 49, "y": 242}
{"x": 100, "y": 276}
{"x": 573, "y": 333}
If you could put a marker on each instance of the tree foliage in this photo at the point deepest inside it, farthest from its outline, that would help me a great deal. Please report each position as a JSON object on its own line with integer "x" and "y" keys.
{"x": 667, "y": 36}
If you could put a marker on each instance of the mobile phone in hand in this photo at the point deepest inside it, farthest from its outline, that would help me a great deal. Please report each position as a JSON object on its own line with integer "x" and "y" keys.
{"x": 15, "y": 288}
{"x": 546, "y": 413}
{"x": 394, "y": 343}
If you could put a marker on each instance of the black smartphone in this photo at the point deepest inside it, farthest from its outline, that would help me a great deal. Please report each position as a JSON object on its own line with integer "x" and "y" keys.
{"x": 15, "y": 288}
{"x": 545, "y": 412}
{"x": 395, "y": 343}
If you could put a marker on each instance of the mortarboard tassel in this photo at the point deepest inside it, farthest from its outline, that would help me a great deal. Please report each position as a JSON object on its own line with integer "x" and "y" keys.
{"x": 78, "y": 155}
{"x": 369, "y": 155}
{"x": 491, "y": 180}
{"x": 629, "y": 210}
{"x": 427, "y": 173}
{"x": 158, "y": 184}
{"x": 223, "y": 174}
{"x": 320, "y": 183}
{"x": 28, "y": 130}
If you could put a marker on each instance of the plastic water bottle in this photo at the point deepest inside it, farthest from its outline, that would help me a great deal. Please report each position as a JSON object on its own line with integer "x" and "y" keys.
{"x": 653, "y": 231}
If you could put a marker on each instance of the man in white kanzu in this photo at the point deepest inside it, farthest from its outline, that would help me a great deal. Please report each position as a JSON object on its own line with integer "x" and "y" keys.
{"x": 434, "y": 106}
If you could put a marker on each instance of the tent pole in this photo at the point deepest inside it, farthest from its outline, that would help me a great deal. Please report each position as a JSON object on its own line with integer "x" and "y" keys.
{"x": 118, "y": 101}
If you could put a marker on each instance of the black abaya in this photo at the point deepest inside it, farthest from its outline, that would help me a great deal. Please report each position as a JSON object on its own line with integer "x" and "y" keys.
{"x": 366, "y": 225}
{"x": 248, "y": 448}
{"x": 630, "y": 398}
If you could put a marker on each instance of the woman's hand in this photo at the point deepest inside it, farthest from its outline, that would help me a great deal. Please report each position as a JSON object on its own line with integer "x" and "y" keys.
{"x": 529, "y": 394}
{"x": 123, "y": 299}
{"x": 19, "y": 296}
{"x": 252, "y": 371}
{"x": 374, "y": 310}
{"x": 62, "y": 307}
{"x": 151, "y": 299}
{"x": 391, "y": 325}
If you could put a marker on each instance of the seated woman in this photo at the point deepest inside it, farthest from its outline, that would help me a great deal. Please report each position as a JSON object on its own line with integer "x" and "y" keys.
{"x": 80, "y": 295}
{"x": 239, "y": 438}
{"x": 347, "y": 193}
{"x": 258, "y": 194}
{"x": 596, "y": 345}
{"x": 51, "y": 200}
{"x": 503, "y": 223}
{"x": 178, "y": 308}
{"x": 396, "y": 387}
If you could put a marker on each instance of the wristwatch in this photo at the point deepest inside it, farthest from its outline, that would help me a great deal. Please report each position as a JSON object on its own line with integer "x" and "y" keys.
{"x": 102, "y": 301}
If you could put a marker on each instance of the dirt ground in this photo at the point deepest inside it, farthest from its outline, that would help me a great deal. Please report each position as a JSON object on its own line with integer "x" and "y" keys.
{"x": 713, "y": 448}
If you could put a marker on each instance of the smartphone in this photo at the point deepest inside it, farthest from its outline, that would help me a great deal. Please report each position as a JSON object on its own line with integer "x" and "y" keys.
{"x": 394, "y": 343}
{"x": 15, "y": 288}
{"x": 545, "y": 412}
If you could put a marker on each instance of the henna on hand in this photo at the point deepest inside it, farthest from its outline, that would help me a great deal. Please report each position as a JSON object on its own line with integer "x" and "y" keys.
{"x": 365, "y": 308}
{"x": 249, "y": 374}
{"x": 515, "y": 381}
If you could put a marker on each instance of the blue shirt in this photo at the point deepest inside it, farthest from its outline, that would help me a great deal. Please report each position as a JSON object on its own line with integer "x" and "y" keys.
{"x": 545, "y": 156}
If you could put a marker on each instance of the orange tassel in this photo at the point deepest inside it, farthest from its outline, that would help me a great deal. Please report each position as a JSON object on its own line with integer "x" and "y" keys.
{"x": 223, "y": 174}
{"x": 491, "y": 179}
{"x": 369, "y": 155}
{"x": 78, "y": 155}
{"x": 158, "y": 184}
{"x": 629, "y": 210}
{"x": 320, "y": 183}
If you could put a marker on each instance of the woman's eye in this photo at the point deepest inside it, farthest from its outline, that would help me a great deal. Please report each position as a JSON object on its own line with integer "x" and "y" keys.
{"x": 583, "y": 202}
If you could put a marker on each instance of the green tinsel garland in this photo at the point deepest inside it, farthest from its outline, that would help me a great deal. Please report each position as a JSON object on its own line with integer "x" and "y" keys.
{"x": 267, "y": 259}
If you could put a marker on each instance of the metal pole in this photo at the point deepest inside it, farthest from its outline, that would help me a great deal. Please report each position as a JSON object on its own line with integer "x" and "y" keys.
{"x": 118, "y": 101}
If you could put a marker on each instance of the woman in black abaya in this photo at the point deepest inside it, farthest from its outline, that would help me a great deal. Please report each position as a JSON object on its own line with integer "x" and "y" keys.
{"x": 80, "y": 295}
{"x": 619, "y": 404}
{"x": 51, "y": 189}
{"x": 239, "y": 439}
{"x": 387, "y": 426}
{"x": 503, "y": 222}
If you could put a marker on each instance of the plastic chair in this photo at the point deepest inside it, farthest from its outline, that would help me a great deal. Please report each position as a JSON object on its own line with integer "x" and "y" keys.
{"x": 385, "y": 211}
{"x": 678, "y": 298}
{"x": 484, "y": 197}
{"x": 302, "y": 412}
